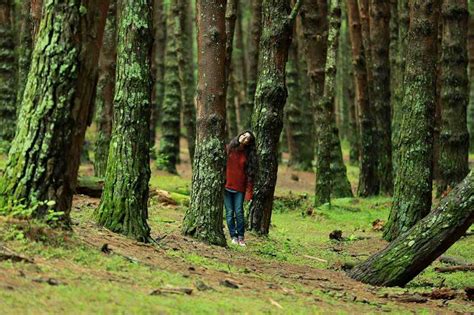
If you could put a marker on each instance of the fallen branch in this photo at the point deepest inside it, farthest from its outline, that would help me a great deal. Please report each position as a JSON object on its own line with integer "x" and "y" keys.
{"x": 315, "y": 258}
{"x": 455, "y": 268}
{"x": 187, "y": 291}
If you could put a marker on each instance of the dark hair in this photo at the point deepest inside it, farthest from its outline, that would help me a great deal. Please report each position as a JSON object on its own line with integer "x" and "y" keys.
{"x": 250, "y": 152}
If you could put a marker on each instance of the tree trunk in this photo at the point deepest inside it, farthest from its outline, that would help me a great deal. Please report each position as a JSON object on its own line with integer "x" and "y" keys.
{"x": 413, "y": 182}
{"x": 413, "y": 251}
{"x": 168, "y": 154}
{"x": 203, "y": 219}
{"x": 25, "y": 48}
{"x": 380, "y": 47}
{"x": 105, "y": 92}
{"x": 454, "y": 137}
{"x": 230, "y": 18}
{"x": 403, "y": 23}
{"x": 368, "y": 180}
{"x": 56, "y": 107}
{"x": 470, "y": 48}
{"x": 239, "y": 66}
{"x": 231, "y": 110}
{"x": 253, "y": 62}
{"x": 123, "y": 206}
{"x": 186, "y": 66}
{"x": 7, "y": 75}
{"x": 270, "y": 98}
{"x": 157, "y": 68}
{"x": 301, "y": 154}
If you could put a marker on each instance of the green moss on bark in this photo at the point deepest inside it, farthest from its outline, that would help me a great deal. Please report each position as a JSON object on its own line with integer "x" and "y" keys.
{"x": 413, "y": 182}
{"x": 123, "y": 207}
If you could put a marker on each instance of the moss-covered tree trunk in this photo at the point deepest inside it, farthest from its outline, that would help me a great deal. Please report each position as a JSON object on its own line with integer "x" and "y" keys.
{"x": 186, "y": 68}
{"x": 413, "y": 180}
{"x": 56, "y": 107}
{"x": 157, "y": 68}
{"x": 270, "y": 98}
{"x": 253, "y": 62}
{"x": 105, "y": 92}
{"x": 380, "y": 48}
{"x": 8, "y": 66}
{"x": 403, "y": 23}
{"x": 413, "y": 251}
{"x": 123, "y": 206}
{"x": 168, "y": 154}
{"x": 470, "y": 48}
{"x": 368, "y": 179}
{"x": 454, "y": 96}
{"x": 203, "y": 218}
{"x": 297, "y": 131}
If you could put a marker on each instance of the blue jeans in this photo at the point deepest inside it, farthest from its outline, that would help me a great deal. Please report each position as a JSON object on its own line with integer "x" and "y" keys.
{"x": 234, "y": 212}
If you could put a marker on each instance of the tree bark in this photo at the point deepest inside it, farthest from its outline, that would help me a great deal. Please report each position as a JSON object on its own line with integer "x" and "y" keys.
{"x": 253, "y": 62}
{"x": 239, "y": 66}
{"x": 123, "y": 207}
{"x": 270, "y": 98}
{"x": 56, "y": 107}
{"x": 203, "y": 219}
{"x": 186, "y": 68}
{"x": 470, "y": 48}
{"x": 157, "y": 68}
{"x": 230, "y": 19}
{"x": 168, "y": 154}
{"x": 413, "y": 182}
{"x": 368, "y": 180}
{"x": 454, "y": 96}
{"x": 105, "y": 92}
{"x": 413, "y": 251}
{"x": 25, "y": 48}
{"x": 380, "y": 48}
{"x": 8, "y": 73}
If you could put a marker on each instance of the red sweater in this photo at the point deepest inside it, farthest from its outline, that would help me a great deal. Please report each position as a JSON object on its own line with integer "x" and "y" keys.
{"x": 236, "y": 179}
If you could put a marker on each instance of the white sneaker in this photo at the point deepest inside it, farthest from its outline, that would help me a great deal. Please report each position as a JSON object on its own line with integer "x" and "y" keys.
{"x": 242, "y": 243}
{"x": 235, "y": 241}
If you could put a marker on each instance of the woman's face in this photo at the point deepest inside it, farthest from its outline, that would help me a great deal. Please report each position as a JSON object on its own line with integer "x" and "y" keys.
{"x": 245, "y": 138}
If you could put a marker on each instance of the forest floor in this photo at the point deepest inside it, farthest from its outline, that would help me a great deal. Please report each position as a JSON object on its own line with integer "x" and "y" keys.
{"x": 297, "y": 269}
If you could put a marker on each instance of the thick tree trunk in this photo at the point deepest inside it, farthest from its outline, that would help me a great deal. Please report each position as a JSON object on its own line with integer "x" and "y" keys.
{"x": 7, "y": 75}
{"x": 380, "y": 47}
{"x": 413, "y": 251}
{"x": 186, "y": 66}
{"x": 56, "y": 107}
{"x": 413, "y": 182}
{"x": 253, "y": 62}
{"x": 454, "y": 96}
{"x": 301, "y": 154}
{"x": 270, "y": 98}
{"x": 105, "y": 92}
{"x": 157, "y": 68}
{"x": 168, "y": 154}
{"x": 123, "y": 206}
{"x": 368, "y": 179}
{"x": 203, "y": 219}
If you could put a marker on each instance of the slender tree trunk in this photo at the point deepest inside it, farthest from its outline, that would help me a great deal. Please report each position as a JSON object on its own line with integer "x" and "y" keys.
{"x": 231, "y": 110}
{"x": 25, "y": 48}
{"x": 56, "y": 107}
{"x": 403, "y": 23}
{"x": 123, "y": 206}
{"x": 364, "y": 9}
{"x": 230, "y": 18}
{"x": 301, "y": 154}
{"x": 7, "y": 75}
{"x": 413, "y": 251}
{"x": 239, "y": 66}
{"x": 203, "y": 219}
{"x": 186, "y": 66}
{"x": 270, "y": 98}
{"x": 157, "y": 68}
{"x": 412, "y": 198}
{"x": 105, "y": 92}
{"x": 253, "y": 61}
{"x": 454, "y": 96}
{"x": 168, "y": 154}
{"x": 368, "y": 180}
{"x": 380, "y": 47}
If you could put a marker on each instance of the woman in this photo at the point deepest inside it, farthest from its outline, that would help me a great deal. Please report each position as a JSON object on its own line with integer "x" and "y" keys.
{"x": 240, "y": 171}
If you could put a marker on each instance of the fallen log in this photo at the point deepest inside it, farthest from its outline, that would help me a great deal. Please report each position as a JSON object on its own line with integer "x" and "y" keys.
{"x": 455, "y": 268}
